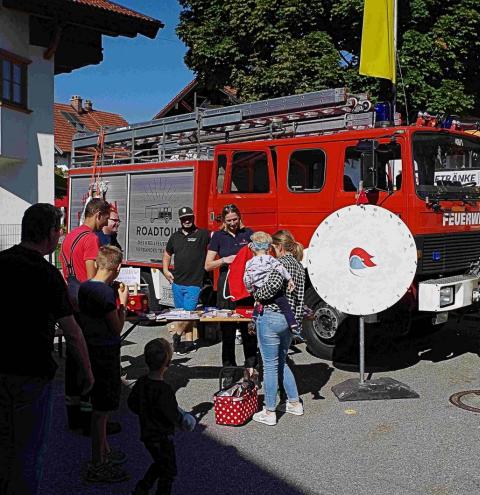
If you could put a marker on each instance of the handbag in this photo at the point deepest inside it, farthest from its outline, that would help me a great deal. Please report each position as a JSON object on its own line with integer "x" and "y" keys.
{"x": 73, "y": 284}
{"x": 235, "y": 410}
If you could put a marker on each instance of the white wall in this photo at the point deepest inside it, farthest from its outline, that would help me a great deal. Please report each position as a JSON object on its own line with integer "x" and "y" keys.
{"x": 26, "y": 178}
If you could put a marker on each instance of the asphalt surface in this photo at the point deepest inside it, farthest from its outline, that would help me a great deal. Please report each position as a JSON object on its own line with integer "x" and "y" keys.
{"x": 423, "y": 446}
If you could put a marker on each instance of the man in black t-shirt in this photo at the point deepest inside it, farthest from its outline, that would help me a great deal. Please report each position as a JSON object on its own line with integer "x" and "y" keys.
{"x": 26, "y": 364}
{"x": 189, "y": 245}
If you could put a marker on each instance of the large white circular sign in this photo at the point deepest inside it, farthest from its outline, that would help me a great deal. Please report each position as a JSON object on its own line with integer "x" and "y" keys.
{"x": 362, "y": 259}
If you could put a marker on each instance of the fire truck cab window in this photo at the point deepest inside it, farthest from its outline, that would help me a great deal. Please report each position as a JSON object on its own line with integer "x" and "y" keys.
{"x": 250, "y": 172}
{"x": 446, "y": 165}
{"x": 306, "y": 171}
{"x": 221, "y": 167}
{"x": 389, "y": 167}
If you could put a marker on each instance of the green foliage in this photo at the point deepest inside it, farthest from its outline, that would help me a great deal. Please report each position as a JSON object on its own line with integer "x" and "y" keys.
{"x": 268, "y": 48}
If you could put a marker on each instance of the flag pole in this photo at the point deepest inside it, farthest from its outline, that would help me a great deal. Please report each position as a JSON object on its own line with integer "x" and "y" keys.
{"x": 394, "y": 87}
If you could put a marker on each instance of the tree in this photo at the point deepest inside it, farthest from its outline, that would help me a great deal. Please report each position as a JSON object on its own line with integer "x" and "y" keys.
{"x": 60, "y": 182}
{"x": 268, "y": 48}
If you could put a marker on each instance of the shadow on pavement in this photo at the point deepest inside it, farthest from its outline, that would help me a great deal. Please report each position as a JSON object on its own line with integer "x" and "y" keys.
{"x": 311, "y": 378}
{"x": 178, "y": 374}
{"x": 222, "y": 470}
{"x": 386, "y": 352}
{"x": 205, "y": 466}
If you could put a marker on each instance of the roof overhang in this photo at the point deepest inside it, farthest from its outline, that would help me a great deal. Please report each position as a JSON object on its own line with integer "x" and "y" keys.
{"x": 73, "y": 30}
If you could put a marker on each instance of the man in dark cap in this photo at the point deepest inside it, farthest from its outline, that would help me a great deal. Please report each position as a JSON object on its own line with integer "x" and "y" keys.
{"x": 189, "y": 245}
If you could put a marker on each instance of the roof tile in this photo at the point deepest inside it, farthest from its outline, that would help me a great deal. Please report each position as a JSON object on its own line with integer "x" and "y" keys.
{"x": 113, "y": 7}
{"x": 92, "y": 120}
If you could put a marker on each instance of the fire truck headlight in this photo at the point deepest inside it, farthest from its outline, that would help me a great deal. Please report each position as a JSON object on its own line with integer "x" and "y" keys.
{"x": 447, "y": 296}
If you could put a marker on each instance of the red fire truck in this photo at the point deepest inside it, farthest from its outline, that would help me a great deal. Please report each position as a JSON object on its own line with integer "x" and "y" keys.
{"x": 288, "y": 163}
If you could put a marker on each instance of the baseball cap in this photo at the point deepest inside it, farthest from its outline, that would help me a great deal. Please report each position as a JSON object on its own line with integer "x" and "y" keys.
{"x": 185, "y": 211}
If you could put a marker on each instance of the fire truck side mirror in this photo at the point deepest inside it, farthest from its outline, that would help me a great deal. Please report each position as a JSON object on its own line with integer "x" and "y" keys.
{"x": 368, "y": 159}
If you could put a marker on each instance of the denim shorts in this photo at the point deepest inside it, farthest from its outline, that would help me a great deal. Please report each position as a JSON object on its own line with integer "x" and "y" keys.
{"x": 185, "y": 296}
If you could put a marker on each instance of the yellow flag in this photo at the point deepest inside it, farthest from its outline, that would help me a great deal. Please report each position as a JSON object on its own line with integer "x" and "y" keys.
{"x": 377, "y": 57}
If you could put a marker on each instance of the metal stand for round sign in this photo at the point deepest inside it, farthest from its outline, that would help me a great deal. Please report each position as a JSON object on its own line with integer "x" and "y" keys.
{"x": 361, "y": 261}
{"x": 374, "y": 389}
{"x": 361, "y": 330}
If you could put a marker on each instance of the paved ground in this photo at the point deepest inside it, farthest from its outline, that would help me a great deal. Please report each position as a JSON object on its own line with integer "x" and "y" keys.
{"x": 422, "y": 446}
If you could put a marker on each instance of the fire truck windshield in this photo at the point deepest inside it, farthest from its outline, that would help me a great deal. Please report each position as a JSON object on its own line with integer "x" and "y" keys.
{"x": 446, "y": 166}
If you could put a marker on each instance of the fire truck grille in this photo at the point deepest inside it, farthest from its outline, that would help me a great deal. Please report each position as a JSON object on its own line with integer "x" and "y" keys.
{"x": 448, "y": 253}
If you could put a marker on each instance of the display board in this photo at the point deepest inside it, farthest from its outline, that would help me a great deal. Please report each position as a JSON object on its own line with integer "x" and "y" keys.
{"x": 154, "y": 201}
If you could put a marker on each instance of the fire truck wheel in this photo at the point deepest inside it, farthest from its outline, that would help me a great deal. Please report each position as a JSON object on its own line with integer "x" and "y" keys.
{"x": 146, "y": 278}
{"x": 323, "y": 331}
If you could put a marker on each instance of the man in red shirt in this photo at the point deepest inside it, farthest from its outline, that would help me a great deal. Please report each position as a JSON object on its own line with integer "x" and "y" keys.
{"x": 82, "y": 260}
{"x": 97, "y": 213}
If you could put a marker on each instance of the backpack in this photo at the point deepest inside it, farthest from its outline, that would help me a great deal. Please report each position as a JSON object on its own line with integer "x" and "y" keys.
{"x": 73, "y": 284}
{"x": 236, "y": 287}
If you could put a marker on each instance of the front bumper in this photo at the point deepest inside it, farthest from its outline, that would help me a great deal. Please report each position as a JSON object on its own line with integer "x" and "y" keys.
{"x": 465, "y": 290}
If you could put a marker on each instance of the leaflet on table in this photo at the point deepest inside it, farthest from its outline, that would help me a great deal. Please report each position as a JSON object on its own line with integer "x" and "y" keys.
{"x": 217, "y": 313}
{"x": 180, "y": 315}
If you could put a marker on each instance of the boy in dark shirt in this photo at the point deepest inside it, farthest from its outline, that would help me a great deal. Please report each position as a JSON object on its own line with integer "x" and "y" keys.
{"x": 101, "y": 323}
{"x": 155, "y": 403}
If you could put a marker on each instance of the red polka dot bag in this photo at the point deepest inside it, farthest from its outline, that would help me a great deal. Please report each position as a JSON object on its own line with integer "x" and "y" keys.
{"x": 236, "y": 409}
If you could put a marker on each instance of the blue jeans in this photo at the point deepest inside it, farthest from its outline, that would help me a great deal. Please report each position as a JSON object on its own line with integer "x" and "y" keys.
{"x": 25, "y": 412}
{"x": 274, "y": 339}
{"x": 185, "y": 296}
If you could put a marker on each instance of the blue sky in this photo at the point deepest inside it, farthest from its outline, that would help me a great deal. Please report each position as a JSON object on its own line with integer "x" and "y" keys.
{"x": 138, "y": 76}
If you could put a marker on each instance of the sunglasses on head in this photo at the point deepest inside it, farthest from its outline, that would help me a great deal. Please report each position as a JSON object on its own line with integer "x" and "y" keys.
{"x": 230, "y": 207}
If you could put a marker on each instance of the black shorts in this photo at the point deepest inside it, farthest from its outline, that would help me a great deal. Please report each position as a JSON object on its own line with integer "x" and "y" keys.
{"x": 105, "y": 361}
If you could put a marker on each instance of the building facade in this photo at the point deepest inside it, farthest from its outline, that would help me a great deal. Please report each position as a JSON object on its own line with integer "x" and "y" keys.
{"x": 39, "y": 39}
{"x": 26, "y": 119}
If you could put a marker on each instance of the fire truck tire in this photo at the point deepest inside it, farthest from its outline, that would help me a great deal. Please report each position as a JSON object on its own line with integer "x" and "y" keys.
{"x": 323, "y": 331}
{"x": 146, "y": 278}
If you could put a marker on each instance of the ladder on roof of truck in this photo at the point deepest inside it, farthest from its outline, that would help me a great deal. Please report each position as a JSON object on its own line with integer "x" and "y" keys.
{"x": 194, "y": 135}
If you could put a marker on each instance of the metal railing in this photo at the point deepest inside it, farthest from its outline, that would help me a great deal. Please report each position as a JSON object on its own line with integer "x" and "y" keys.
{"x": 9, "y": 235}
{"x": 193, "y": 136}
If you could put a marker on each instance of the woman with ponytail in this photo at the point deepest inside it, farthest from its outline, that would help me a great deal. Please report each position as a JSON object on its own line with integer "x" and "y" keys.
{"x": 223, "y": 248}
{"x": 273, "y": 332}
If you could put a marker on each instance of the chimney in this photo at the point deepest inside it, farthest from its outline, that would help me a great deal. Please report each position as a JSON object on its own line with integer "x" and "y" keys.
{"x": 88, "y": 107}
{"x": 76, "y": 102}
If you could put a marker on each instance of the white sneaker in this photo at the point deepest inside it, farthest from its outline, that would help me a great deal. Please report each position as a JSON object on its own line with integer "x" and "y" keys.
{"x": 288, "y": 407}
{"x": 265, "y": 418}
